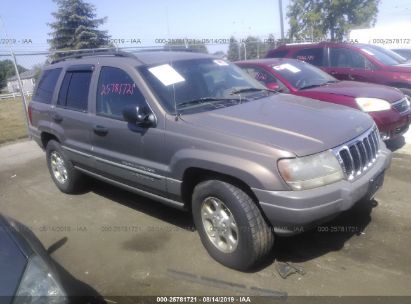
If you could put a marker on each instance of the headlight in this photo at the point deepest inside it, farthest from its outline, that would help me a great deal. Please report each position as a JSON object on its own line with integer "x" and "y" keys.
{"x": 372, "y": 104}
{"x": 38, "y": 285}
{"x": 312, "y": 171}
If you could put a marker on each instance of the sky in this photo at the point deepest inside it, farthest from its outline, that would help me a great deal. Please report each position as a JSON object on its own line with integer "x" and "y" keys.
{"x": 150, "y": 21}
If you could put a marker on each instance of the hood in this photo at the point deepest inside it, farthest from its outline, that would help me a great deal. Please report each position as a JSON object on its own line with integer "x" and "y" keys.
{"x": 402, "y": 68}
{"x": 296, "y": 124}
{"x": 359, "y": 89}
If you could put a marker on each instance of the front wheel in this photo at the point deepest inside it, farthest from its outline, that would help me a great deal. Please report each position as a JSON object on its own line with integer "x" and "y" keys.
{"x": 231, "y": 226}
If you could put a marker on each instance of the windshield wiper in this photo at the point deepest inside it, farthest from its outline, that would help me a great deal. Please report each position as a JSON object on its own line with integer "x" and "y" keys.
{"x": 245, "y": 90}
{"x": 206, "y": 100}
{"x": 310, "y": 86}
{"x": 318, "y": 84}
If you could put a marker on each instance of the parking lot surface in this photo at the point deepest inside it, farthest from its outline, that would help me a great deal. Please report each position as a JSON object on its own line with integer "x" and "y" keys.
{"x": 109, "y": 242}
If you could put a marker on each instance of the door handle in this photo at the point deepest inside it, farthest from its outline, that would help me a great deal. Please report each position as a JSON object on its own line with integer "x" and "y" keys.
{"x": 56, "y": 117}
{"x": 333, "y": 72}
{"x": 100, "y": 130}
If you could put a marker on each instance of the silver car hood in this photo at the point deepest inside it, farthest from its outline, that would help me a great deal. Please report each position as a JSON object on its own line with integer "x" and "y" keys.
{"x": 296, "y": 124}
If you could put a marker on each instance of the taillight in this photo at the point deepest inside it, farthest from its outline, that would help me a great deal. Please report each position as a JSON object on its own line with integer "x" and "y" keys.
{"x": 29, "y": 112}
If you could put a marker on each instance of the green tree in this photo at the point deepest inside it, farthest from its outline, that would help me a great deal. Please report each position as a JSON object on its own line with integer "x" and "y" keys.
{"x": 254, "y": 48}
{"x": 250, "y": 48}
{"x": 7, "y": 70}
{"x": 184, "y": 44}
{"x": 268, "y": 44}
{"x": 232, "y": 53}
{"x": 38, "y": 68}
{"x": 76, "y": 26}
{"x": 319, "y": 19}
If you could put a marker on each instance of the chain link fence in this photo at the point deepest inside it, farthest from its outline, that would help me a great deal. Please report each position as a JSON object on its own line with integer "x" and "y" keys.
{"x": 30, "y": 63}
{"x": 16, "y": 92}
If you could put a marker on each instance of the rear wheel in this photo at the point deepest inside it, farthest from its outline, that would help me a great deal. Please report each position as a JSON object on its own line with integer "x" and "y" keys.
{"x": 62, "y": 171}
{"x": 231, "y": 226}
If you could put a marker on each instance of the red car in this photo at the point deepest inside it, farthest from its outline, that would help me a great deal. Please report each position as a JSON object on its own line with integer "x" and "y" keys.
{"x": 352, "y": 61}
{"x": 389, "y": 107}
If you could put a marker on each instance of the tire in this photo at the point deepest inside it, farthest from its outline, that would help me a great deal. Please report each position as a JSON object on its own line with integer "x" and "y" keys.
{"x": 62, "y": 171}
{"x": 242, "y": 248}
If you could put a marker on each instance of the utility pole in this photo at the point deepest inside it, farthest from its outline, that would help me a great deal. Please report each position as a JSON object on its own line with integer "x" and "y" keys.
{"x": 280, "y": 3}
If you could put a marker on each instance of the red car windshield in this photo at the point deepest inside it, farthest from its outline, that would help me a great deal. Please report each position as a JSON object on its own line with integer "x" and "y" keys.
{"x": 302, "y": 75}
{"x": 385, "y": 56}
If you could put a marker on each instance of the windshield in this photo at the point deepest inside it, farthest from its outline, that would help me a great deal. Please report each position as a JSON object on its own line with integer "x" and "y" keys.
{"x": 201, "y": 84}
{"x": 387, "y": 57}
{"x": 302, "y": 75}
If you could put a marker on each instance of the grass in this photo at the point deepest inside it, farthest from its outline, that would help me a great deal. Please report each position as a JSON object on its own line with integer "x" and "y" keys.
{"x": 12, "y": 120}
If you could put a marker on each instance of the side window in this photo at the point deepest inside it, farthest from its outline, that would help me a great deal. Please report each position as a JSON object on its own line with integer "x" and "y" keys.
{"x": 74, "y": 90}
{"x": 46, "y": 86}
{"x": 116, "y": 90}
{"x": 314, "y": 56}
{"x": 347, "y": 58}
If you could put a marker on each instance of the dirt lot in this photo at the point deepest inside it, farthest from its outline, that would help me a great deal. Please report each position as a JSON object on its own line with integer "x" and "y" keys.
{"x": 116, "y": 243}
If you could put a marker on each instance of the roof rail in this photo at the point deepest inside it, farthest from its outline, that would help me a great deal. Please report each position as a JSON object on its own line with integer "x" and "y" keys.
{"x": 97, "y": 52}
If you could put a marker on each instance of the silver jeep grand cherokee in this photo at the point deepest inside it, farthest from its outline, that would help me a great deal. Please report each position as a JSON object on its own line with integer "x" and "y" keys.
{"x": 197, "y": 133}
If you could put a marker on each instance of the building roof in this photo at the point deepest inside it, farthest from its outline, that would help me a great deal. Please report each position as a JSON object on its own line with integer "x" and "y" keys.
{"x": 25, "y": 75}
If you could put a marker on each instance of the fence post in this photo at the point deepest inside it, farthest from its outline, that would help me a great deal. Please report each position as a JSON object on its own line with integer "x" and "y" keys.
{"x": 23, "y": 98}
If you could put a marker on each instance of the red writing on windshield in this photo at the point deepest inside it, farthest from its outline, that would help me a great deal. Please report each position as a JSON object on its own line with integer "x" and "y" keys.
{"x": 117, "y": 88}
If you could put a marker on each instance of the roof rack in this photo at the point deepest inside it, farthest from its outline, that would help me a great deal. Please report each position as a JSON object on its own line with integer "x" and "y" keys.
{"x": 104, "y": 52}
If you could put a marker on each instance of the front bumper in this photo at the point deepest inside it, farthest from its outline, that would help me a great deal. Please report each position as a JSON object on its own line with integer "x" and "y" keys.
{"x": 292, "y": 212}
{"x": 392, "y": 125}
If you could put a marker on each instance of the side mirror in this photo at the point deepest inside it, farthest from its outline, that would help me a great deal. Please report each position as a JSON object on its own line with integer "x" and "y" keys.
{"x": 140, "y": 116}
{"x": 273, "y": 86}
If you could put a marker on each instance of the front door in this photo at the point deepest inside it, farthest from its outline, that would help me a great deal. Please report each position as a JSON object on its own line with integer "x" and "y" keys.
{"x": 347, "y": 64}
{"x": 125, "y": 152}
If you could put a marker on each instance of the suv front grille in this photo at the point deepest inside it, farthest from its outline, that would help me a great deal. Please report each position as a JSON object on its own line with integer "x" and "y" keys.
{"x": 360, "y": 154}
{"x": 401, "y": 105}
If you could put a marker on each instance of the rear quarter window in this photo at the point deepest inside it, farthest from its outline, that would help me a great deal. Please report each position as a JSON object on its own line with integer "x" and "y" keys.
{"x": 314, "y": 56}
{"x": 46, "y": 86}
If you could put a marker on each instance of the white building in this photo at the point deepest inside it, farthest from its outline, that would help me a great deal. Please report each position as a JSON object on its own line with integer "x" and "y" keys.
{"x": 28, "y": 80}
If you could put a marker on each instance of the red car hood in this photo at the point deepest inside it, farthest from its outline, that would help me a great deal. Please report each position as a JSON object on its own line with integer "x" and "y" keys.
{"x": 358, "y": 89}
{"x": 401, "y": 68}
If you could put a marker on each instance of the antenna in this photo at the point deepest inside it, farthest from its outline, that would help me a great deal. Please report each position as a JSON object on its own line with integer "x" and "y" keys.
{"x": 169, "y": 49}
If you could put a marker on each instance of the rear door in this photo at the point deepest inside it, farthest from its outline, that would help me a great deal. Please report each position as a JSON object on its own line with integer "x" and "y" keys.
{"x": 125, "y": 152}
{"x": 347, "y": 64}
{"x": 70, "y": 117}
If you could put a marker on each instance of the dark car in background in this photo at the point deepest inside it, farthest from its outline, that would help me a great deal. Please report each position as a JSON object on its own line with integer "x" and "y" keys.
{"x": 389, "y": 107}
{"x": 406, "y": 53}
{"x": 352, "y": 61}
{"x": 27, "y": 274}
